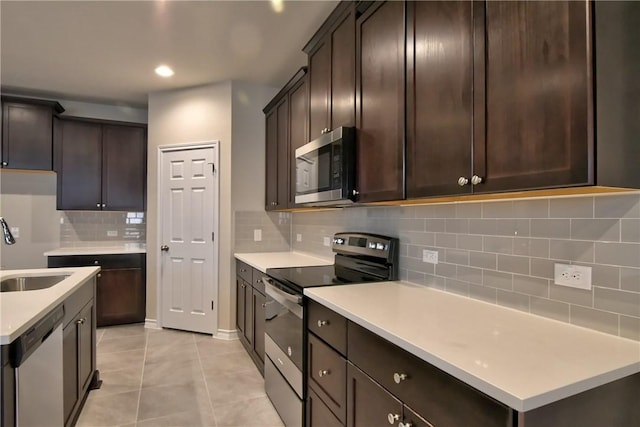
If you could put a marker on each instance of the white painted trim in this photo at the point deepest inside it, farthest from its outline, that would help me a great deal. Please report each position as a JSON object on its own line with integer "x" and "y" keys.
{"x": 214, "y": 144}
{"x": 151, "y": 324}
{"x": 226, "y": 334}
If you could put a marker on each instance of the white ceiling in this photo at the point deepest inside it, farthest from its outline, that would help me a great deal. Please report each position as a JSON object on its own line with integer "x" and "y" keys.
{"x": 106, "y": 51}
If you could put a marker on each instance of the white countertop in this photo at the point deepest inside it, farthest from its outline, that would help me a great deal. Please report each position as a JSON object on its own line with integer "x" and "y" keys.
{"x": 264, "y": 260}
{"x": 522, "y": 360}
{"x": 21, "y": 310}
{"x": 127, "y": 248}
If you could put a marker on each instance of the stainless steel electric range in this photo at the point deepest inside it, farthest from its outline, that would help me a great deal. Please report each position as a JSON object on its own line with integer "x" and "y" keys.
{"x": 359, "y": 258}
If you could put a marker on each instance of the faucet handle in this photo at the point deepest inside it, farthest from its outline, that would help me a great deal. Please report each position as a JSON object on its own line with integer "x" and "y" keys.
{"x": 6, "y": 232}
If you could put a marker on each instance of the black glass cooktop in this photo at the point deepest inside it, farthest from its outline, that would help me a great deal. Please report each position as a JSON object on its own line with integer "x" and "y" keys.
{"x": 328, "y": 275}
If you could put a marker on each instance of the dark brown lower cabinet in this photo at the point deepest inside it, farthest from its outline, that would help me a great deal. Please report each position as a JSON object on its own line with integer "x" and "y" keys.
{"x": 121, "y": 296}
{"x": 121, "y": 285}
{"x": 368, "y": 404}
{"x": 250, "y": 306}
{"x": 318, "y": 414}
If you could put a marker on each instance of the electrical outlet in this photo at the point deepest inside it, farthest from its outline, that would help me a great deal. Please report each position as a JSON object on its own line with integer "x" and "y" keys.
{"x": 327, "y": 241}
{"x": 257, "y": 235}
{"x": 574, "y": 276}
{"x": 15, "y": 231}
{"x": 112, "y": 233}
{"x": 299, "y": 237}
{"x": 429, "y": 256}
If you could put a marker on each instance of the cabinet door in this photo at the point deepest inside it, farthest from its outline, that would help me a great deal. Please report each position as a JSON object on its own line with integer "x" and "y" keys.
{"x": 248, "y": 314}
{"x": 343, "y": 72}
{"x": 380, "y": 102}
{"x": 298, "y": 136}
{"x": 259, "y": 301}
{"x": 240, "y": 308}
{"x": 124, "y": 172}
{"x": 271, "y": 170}
{"x": 318, "y": 415}
{"x": 319, "y": 89}
{"x": 413, "y": 419}
{"x": 368, "y": 404}
{"x": 85, "y": 347}
{"x": 27, "y": 133}
{"x": 70, "y": 361}
{"x": 538, "y": 127}
{"x": 283, "y": 154}
{"x": 79, "y": 165}
{"x": 120, "y": 297}
{"x": 439, "y": 97}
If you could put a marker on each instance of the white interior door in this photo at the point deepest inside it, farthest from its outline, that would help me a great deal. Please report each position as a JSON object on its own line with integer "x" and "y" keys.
{"x": 188, "y": 217}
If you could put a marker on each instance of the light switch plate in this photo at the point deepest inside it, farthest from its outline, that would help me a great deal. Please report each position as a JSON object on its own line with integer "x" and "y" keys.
{"x": 257, "y": 235}
{"x": 327, "y": 241}
{"x": 429, "y": 256}
{"x": 299, "y": 237}
{"x": 575, "y": 276}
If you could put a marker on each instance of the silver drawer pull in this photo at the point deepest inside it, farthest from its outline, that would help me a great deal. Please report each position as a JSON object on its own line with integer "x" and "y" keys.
{"x": 392, "y": 418}
{"x": 323, "y": 372}
{"x": 398, "y": 378}
{"x": 322, "y": 323}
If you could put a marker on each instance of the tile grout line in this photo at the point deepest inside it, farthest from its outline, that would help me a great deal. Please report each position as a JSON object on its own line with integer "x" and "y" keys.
{"x": 144, "y": 363}
{"x": 204, "y": 379}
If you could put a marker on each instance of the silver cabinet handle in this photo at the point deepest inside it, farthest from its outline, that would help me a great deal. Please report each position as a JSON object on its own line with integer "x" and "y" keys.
{"x": 407, "y": 424}
{"x": 97, "y": 205}
{"x": 475, "y": 180}
{"x": 5, "y": 164}
{"x": 258, "y": 280}
{"x": 81, "y": 321}
{"x": 392, "y": 418}
{"x": 398, "y": 378}
{"x": 264, "y": 305}
{"x": 243, "y": 286}
{"x": 164, "y": 248}
{"x": 96, "y": 262}
{"x": 323, "y": 372}
{"x": 243, "y": 270}
{"x": 322, "y": 323}
{"x": 104, "y": 206}
{"x": 99, "y": 275}
{"x": 462, "y": 181}
{"x": 356, "y": 192}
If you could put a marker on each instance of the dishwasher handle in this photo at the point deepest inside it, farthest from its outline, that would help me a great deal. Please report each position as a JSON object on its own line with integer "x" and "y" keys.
{"x": 28, "y": 342}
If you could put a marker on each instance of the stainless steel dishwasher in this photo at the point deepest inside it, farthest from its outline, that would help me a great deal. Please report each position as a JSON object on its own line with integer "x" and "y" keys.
{"x": 37, "y": 359}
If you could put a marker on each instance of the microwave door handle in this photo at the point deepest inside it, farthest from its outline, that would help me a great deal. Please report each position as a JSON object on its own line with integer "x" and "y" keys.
{"x": 278, "y": 294}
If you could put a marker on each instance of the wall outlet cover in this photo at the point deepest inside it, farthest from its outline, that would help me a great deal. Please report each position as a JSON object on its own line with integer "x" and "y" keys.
{"x": 327, "y": 241}
{"x": 575, "y": 276}
{"x": 112, "y": 233}
{"x": 257, "y": 235}
{"x": 429, "y": 256}
{"x": 15, "y": 231}
{"x": 299, "y": 237}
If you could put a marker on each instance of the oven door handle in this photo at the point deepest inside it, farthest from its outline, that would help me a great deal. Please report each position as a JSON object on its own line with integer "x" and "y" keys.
{"x": 279, "y": 294}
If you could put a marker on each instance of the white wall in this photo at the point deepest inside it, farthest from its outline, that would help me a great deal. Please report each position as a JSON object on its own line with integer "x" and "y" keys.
{"x": 230, "y": 112}
{"x": 28, "y": 201}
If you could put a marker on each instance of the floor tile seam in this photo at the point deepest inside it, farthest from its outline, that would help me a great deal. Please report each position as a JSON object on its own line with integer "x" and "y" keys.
{"x": 144, "y": 363}
{"x": 230, "y": 374}
{"x": 206, "y": 386}
{"x": 240, "y": 400}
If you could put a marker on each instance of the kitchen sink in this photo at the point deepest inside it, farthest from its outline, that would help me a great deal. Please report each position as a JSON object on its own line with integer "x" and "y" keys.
{"x": 30, "y": 283}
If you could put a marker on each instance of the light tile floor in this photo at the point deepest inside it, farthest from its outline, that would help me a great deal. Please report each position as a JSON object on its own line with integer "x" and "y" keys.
{"x": 172, "y": 378}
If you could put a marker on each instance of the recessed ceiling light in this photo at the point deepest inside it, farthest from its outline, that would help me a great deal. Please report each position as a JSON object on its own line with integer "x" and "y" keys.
{"x": 164, "y": 71}
{"x": 277, "y": 5}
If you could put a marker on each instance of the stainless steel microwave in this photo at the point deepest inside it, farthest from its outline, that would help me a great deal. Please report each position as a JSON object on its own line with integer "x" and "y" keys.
{"x": 325, "y": 169}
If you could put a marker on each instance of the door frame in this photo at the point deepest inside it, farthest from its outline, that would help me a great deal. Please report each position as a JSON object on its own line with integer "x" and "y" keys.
{"x": 162, "y": 149}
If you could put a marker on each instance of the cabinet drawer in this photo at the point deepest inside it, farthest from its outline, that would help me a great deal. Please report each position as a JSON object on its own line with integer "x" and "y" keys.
{"x": 318, "y": 414}
{"x": 439, "y": 397}
{"x": 78, "y": 300}
{"x": 244, "y": 270}
{"x": 328, "y": 325}
{"x": 104, "y": 261}
{"x": 328, "y": 376}
{"x": 257, "y": 280}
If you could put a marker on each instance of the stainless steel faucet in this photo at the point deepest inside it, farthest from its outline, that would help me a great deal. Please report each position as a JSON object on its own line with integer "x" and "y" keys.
{"x": 8, "y": 237}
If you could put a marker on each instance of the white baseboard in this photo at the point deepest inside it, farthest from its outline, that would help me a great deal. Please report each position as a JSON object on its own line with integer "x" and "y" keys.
{"x": 151, "y": 324}
{"x": 226, "y": 334}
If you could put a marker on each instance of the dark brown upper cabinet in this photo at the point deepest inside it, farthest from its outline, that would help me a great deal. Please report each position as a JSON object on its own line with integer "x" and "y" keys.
{"x": 439, "y": 97}
{"x": 331, "y": 54}
{"x": 286, "y": 128}
{"x": 533, "y": 111}
{"x": 27, "y": 133}
{"x": 380, "y": 98}
{"x": 100, "y": 165}
{"x": 498, "y": 96}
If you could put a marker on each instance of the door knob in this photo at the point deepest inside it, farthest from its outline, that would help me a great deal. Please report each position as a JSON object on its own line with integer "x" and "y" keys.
{"x": 164, "y": 248}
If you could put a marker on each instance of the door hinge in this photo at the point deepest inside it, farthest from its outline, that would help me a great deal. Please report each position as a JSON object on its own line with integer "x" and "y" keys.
{"x": 212, "y": 305}
{"x": 213, "y": 236}
{"x": 213, "y": 168}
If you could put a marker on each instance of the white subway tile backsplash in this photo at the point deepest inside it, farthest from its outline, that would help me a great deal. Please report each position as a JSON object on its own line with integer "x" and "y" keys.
{"x": 503, "y": 252}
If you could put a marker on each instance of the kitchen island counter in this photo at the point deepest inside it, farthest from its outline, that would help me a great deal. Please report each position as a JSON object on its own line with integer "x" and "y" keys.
{"x": 522, "y": 360}
{"x": 129, "y": 248}
{"x": 22, "y": 309}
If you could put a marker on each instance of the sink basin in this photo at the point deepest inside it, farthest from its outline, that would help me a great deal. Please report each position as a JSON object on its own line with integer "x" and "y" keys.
{"x": 30, "y": 283}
